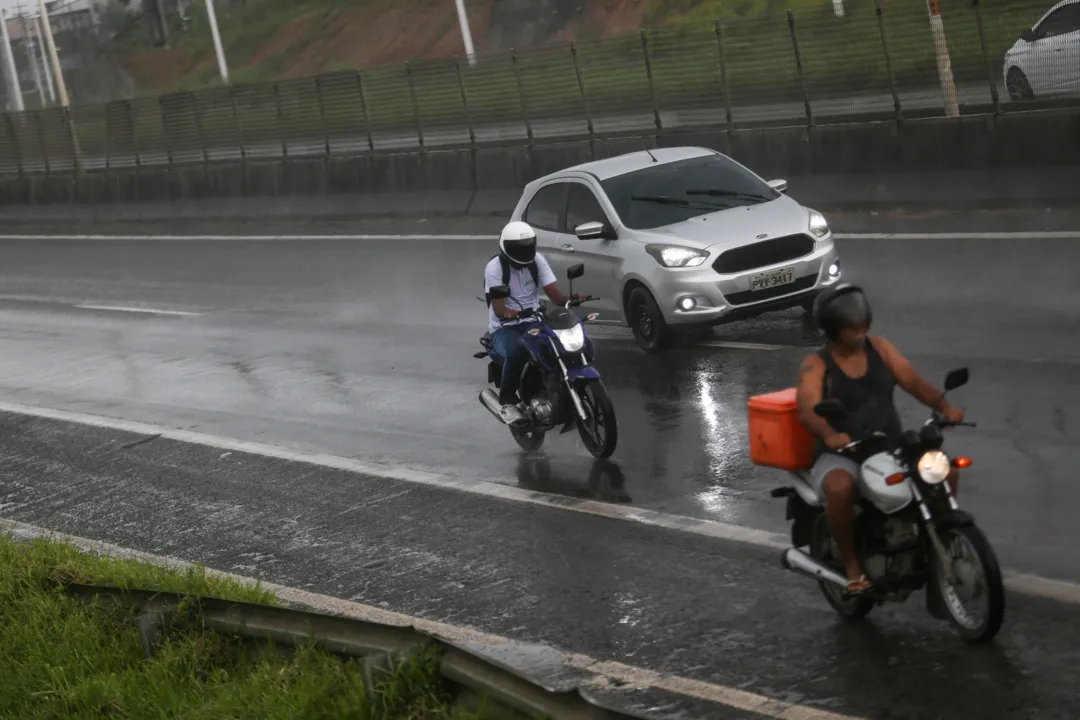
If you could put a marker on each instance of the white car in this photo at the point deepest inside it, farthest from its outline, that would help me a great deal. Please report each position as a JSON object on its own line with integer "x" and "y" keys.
{"x": 1045, "y": 61}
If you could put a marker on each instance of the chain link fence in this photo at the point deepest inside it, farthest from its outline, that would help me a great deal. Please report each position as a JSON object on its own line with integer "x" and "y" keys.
{"x": 807, "y": 66}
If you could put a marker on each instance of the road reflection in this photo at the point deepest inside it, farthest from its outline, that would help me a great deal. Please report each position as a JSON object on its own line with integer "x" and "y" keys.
{"x": 604, "y": 481}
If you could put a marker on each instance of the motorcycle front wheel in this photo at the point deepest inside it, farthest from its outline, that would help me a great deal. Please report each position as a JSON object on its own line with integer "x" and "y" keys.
{"x": 978, "y": 579}
{"x": 598, "y": 431}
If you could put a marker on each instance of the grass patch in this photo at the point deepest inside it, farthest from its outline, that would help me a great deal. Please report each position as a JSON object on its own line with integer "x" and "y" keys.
{"x": 65, "y": 659}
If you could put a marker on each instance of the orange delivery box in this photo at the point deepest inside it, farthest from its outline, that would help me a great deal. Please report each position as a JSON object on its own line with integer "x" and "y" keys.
{"x": 777, "y": 438}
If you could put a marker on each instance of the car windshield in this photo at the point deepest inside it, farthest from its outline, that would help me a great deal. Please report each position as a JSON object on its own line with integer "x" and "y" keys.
{"x": 669, "y": 193}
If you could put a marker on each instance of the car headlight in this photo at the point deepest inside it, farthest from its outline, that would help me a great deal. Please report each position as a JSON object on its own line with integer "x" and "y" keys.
{"x": 933, "y": 467}
{"x": 573, "y": 339}
{"x": 819, "y": 226}
{"x": 676, "y": 255}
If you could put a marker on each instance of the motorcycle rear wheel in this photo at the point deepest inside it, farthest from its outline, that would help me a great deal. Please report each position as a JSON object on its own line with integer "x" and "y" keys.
{"x": 529, "y": 440}
{"x": 849, "y": 607}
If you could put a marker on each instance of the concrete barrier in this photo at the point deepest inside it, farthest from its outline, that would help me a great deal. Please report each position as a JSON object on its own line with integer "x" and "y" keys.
{"x": 978, "y": 160}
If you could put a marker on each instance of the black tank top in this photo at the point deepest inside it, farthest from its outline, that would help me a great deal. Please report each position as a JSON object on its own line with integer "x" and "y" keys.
{"x": 868, "y": 399}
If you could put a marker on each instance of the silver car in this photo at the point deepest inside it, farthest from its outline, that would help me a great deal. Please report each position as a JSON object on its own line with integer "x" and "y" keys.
{"x": 679, "y": 238}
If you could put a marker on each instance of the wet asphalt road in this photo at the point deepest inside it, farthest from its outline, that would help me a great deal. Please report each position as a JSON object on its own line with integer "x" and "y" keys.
{"x": 706, "y": 610}
{"x": 364, "y": 349}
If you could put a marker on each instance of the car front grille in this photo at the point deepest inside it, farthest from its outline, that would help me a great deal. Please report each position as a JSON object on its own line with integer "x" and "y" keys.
{"x": 750, "y": 296}
{"x": 764, "y": 253}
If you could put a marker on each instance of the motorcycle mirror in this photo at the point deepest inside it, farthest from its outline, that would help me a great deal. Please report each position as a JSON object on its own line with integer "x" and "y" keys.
{"x": 831, "y": 409}
{"x": 575, "y": 272}
{"x": 956, "y": 378}
{"x": 499, "y": 292}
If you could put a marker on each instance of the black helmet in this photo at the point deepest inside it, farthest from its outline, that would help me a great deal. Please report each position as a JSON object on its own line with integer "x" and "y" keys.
{"x": 843, "y": 306}
{"x": 518, "y": 243}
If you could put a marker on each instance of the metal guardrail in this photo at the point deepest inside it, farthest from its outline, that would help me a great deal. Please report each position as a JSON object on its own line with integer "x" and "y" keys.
{"x": 511, "y": 691}
{"x": 809, "y": 67}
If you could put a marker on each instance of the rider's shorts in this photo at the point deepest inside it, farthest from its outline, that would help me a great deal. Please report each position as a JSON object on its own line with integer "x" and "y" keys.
{"x": 828, "y": 462}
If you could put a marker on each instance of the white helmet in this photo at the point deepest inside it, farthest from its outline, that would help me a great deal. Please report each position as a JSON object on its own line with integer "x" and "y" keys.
{"x": 518, "y": 243}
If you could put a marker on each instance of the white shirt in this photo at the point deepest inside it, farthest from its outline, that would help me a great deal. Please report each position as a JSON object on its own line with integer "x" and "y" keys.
{"x": 523, "y": 293}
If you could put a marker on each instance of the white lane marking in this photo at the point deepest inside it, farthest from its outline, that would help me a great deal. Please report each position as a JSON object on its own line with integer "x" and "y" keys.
{"x": 634, "y": 677}
{"x": 147, "y": 311}
{"x": 1033, "y": 235}
{"x": 1061, "y": 590}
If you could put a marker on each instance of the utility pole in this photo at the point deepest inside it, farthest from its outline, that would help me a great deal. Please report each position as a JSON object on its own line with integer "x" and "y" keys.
{"x": 44, "y": 63}
{"x": 28, "y": 45}
{"x": 58, "y": 72}
{"x": 944, "y": 64}
{"x": 223, "y": 68}
{"x": 15, "y": 90}
{"x": 466, "y": 33}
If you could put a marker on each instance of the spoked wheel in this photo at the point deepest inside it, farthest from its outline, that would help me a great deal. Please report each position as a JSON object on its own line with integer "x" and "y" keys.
{"x": 529, "y": 440}
{"x": 647, "y": 322}
{"x": 850, "y": 607}
{"x": 1018, "y": 86}
{"x": 599, "y": 432}
{"x": 975, "y": 603}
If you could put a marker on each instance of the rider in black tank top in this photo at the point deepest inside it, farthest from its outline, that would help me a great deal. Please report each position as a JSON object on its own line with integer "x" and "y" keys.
{"x": 868, "y": 399}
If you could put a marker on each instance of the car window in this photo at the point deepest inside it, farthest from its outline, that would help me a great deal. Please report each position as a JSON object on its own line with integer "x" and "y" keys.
{"x": 583, "y": 207}
{"x": 545, "y": 209}
{"x": 669, "y": 193}
{"x": 1063, "y": 20}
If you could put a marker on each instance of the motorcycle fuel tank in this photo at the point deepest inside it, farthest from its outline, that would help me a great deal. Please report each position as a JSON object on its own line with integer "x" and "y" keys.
{"x": 887, "y": 498}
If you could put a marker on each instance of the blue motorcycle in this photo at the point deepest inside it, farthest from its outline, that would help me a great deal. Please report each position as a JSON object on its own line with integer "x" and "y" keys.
{"x": 559, "y": 386}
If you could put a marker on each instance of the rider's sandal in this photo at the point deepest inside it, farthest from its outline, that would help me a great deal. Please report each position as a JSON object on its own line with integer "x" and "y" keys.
{"x": 858, "y": 587}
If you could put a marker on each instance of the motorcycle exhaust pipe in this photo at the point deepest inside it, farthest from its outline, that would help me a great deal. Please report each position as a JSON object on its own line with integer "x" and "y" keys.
{"x": 800, "y": 562}
{"x": 490, "y": 400}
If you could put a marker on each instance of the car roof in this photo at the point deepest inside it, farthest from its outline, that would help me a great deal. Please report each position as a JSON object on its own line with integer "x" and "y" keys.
{"x": 629, "y": 162}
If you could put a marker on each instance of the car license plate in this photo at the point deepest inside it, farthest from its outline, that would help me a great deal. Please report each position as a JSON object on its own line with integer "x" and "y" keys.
{"x": 771, "y": 279}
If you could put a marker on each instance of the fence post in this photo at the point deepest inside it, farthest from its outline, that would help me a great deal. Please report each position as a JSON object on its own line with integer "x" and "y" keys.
{"x": 240, "y": 136}
{"x": 521, "y": 96}
{"x": 322, "y": 117}
{"x": 652, "y": 84}
{"x": 986, "y": 57}
{"x": 465, "y": 101}
{"x": 364, "y": 110}
{"x": 584, "y": 97}
{"x": 415, "y": 105}
{"x": 134, "y": 137}
{"x": 199, "y": 131}
{"x": 280, "y": 121}
{"x": 165, "y": 134}
{"x": 880, "y": 12}
{"x": 725, "y": 84}
{"x": 14, "y": 142}
{"x": 41, "y": 137}
{"x": 799, "y": 67}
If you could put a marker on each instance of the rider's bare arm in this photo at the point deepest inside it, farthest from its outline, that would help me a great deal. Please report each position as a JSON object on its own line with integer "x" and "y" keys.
{"x": 556, "y": 295}
{"x": 808, "y": 394}
{"x": 498, "y": 306}
{"x": 908, "y": 378}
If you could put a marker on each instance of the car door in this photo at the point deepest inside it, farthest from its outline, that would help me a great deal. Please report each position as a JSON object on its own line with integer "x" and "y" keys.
{"x": 1055, "y": 54}
{"x": 545, "y": 213}
{"x": 600, "y": 256}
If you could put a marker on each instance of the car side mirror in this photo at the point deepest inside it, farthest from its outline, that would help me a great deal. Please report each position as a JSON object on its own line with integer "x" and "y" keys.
{"x": 575, "y": 271}
{"x": 831, "y": 409}
{"x": 1028, "y": 35}
{"x": 779, "y": 186}
{"x": 956, "y": 378}
{"x": 590, "y": 231}
{"x": 499, "y": 292}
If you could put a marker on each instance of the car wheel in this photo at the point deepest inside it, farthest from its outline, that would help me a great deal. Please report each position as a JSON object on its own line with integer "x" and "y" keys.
{"x": 1018, "y": 86}
{"x": 650, "y": 329}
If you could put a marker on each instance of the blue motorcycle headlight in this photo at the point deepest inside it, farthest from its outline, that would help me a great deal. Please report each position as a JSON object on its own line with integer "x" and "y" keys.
{"x": 573, "y": 339}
